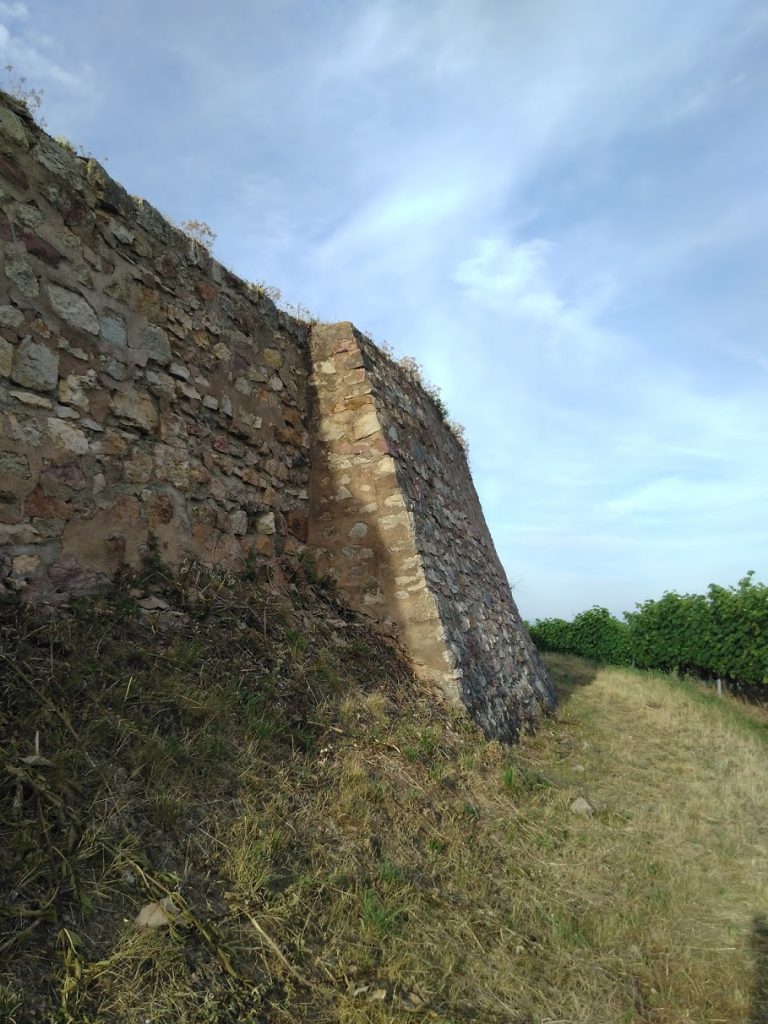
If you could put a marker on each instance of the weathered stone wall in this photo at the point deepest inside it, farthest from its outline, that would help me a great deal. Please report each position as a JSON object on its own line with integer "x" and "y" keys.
{"x": 143, "y": 388}
{"x": 396, "y": 518}
{"x": 145, "y": 391}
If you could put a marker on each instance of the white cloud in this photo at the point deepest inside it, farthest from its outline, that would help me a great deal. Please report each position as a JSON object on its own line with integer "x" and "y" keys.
{"x": 13, "y": 10}
{"x": 519, "y": 281}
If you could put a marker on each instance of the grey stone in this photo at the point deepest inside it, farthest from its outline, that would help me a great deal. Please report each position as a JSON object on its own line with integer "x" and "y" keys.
{"x": 35, "y": 366}
{"x": 161, "y": 384}
{"x": 114, "y": 368}
{"x": 11, "y": 317}
{"x": 12, "y": 129}
{"x": 64, "y": 412}
{"x": 582, "y": 806}
{"x": 13, "y": 464}
{"x": 154, "y": 342}
{"x": 21, "y": 273}
{"x": 6, "y": 358}
{"x": 73, "y": 309}
{"x": 238, "y": 522}
{"x": 113, "y": 331}
{"x": 21, "y": 533}
{"x": 29, "y": 398}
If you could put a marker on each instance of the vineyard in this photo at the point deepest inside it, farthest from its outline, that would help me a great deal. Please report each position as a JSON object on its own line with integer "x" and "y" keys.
{"x": 721, "y": 634}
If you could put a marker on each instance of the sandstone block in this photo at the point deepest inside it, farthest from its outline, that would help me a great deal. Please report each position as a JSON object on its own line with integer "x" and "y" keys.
{"x": 137, "y": 408}
{"x": 172, "y": 464}
{"x": 365, "y": 425}
{"x": 65, "y": 436}
{"x": 272, "y": 358}
{"x": 265, "y": 524}
{"x": 73, "y": 309}
{"x": 73, "y": 389}
{"x": 25, "y": 565}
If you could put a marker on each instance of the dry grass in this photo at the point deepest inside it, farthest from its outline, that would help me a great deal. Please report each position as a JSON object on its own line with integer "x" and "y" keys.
{"x": 342, "y": 849}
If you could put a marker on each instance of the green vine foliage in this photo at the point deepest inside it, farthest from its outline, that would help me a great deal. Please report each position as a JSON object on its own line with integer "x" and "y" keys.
{"x": 723, "y": 633}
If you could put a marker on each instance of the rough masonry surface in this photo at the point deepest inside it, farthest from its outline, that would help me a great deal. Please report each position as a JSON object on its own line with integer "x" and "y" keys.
{"x": 148, "y": 395}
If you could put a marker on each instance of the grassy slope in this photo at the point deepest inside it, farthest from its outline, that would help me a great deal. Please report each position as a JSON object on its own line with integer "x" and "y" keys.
{"x": 339, "y": 848}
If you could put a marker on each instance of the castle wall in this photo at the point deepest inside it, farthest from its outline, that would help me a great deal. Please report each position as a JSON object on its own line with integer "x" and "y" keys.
{"x": 146, "y": 393}
{"x": 144, "y": 389}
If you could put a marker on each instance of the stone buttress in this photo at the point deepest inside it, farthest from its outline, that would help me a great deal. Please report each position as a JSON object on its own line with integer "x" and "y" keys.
{"x": 395, "y": 518}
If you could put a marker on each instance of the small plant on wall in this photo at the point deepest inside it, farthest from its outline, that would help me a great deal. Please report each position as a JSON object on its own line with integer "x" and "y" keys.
{"x": 15, "y": 85}
{"x": 201, "y": 232}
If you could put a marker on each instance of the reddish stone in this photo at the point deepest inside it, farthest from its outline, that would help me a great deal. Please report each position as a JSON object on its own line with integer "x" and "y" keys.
{"x": 6, "y": 231}
{"x": 297, "y": 525}
{"x": 67, "y": 477}
{"x": 77, "y": 213}
{"x": 44, "y": 506}
{"x": 206, "y": 291}
{"x": 166, "y": 267}
{"x": 44, "y": 251}
{"x": 220, "y": 442}
{"x": 161, "y": 512}
{"x": 10, "y": 169}
{"x": 99, "y": 405}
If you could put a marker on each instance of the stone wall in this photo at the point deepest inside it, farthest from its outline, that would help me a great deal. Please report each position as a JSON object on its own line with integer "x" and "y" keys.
{"x": 145, "y": 389}
{"x": 395, "y": 517}
{"x": 146, "y": 392}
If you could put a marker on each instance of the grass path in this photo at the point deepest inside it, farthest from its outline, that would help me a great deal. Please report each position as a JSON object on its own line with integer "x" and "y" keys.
{"x": 672, "y": 871}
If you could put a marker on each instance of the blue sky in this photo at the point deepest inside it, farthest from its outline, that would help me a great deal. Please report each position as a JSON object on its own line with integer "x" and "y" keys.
{"x": 558, "y": 206}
